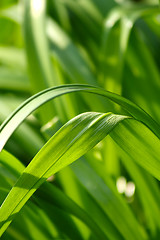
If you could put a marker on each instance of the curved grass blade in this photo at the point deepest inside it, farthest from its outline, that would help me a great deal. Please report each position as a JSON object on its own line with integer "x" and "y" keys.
{"x": 143, "y": 146}
{"x": 47, "y": 193}
{"x": 27, "y": 148}
{"x": 115, "y": 41}
{"x": 26, "y": 108}
{"x": 72, "y": 141}
{"x": 51, "y": 194}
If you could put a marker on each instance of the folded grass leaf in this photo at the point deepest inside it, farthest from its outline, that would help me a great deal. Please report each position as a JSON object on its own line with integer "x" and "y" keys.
{"x": 26, "y": 108}
{"x": 72, "y": 141}
{"x": 143, "y": 146}
{"x": 85, "y": 194}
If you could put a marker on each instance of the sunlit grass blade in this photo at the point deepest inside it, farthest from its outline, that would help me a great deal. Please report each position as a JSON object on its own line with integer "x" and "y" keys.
{"x": 113, "y": 44}
{"x": 15, "y": 119}
{"x": 143, "y": 146}
{"x": 71, "y": 142}
{"x": 50, "y": 194}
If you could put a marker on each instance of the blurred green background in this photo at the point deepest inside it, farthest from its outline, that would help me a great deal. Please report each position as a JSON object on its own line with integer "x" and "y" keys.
{"x": 114, "y": 45}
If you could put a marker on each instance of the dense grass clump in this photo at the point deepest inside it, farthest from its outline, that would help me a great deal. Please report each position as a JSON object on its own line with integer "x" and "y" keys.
{"x": 79, "y": 80}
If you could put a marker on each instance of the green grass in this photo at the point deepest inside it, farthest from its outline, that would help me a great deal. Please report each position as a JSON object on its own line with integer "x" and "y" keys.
{"x": 79, "y": 81}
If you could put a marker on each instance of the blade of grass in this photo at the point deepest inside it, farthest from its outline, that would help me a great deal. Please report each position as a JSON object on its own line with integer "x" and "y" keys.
{"x": 142, "y": 146}
{"x": 69, "y": 56}
{"x": 149, "y": 197}
{"x": 142, "y": 68}
{"x": 51, "y": 194}
{"x": 39, "y": 63}
{"x": 31, "y": 212}
{"x": 18, "y": 116}
{"x": 72, "y": 141}
{"x": 109, "y": 201}
{"x": 37, "y": 49}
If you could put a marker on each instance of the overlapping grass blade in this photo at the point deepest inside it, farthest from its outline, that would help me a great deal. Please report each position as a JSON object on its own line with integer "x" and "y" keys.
{"x": 52, "y": 195}
{"x": 13, "y": 121}
{"x": 112, "y": 96}
{"x": 72, "y": 141}
{"x": 74, "y": 31}
{"x": 47, "y": 193}
{"x": 28, "y": 148}
{"x": 147, "y": 145}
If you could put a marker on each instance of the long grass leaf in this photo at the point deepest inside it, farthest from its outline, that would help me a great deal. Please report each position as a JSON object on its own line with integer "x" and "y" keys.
{"x": 18, "y": 116}
{"x": 51, "y": 194}
{"x": 109, "y": 201}
{"x": 72, "y": 141}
